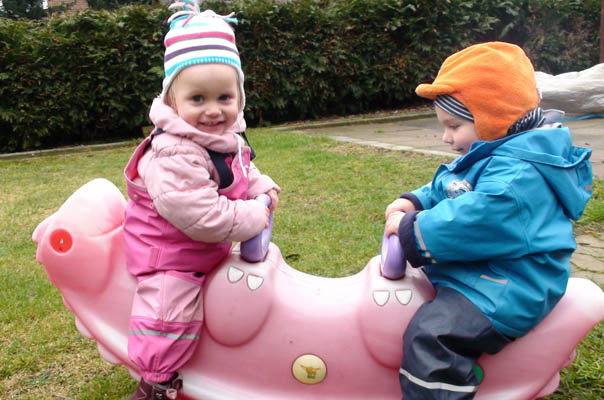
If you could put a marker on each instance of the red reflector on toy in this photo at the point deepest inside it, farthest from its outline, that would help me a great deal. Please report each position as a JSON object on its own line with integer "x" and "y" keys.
{"x": 61, "y": 240}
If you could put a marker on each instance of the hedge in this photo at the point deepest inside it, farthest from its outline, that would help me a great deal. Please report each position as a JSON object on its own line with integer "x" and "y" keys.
{"x": 78, "y": 78}
{"x": 91, "y": 76}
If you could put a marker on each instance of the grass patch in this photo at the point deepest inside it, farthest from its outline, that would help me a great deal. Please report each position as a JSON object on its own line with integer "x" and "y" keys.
{"x": 592, "y": 220}
{"x": 329, "y": 223}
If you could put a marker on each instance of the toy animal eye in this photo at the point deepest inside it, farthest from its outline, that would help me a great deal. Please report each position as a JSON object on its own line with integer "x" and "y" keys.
{"x": 61, "y": 241}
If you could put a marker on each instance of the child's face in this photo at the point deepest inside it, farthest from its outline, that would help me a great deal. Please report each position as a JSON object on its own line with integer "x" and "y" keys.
{"x": 206, "y": 96}
{"x": 459, "y": 133}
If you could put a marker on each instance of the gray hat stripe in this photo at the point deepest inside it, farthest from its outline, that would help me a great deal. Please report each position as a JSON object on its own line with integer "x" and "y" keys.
{"x": 453, "y": 106}
{"x": 196, "y": 48}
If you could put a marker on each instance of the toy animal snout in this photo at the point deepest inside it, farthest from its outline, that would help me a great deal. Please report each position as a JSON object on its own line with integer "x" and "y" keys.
{"x": 78, "y": 244}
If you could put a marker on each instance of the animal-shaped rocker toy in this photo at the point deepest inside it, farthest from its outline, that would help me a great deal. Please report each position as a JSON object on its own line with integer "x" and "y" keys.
{"x": 272, "y": 332}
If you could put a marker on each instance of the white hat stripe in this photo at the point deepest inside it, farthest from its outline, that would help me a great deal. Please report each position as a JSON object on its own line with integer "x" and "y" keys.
{"x": 176, "y": 53}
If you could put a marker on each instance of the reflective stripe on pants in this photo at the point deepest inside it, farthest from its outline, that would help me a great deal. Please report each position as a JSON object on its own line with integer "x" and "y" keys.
{"x": 165, "y": 323}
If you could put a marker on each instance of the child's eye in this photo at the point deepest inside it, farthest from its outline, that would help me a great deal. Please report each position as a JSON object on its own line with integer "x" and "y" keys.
{"x": 224, "y": 97}
{"x": 197, "y": 98}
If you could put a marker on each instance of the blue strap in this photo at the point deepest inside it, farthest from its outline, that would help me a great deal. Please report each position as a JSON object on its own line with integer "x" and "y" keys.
{"x": 581, "y": 117}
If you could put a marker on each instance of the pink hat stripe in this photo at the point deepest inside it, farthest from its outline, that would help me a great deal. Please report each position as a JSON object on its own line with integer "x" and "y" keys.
{"x": 197, "y": 35}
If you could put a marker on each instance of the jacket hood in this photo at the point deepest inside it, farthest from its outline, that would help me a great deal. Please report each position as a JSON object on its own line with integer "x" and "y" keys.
{"x": 163, "y": 116}
{"x": 565, "y": 167}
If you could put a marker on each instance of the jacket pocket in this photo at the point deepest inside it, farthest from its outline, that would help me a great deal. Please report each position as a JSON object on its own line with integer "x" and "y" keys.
{"x": 492, "y": 287}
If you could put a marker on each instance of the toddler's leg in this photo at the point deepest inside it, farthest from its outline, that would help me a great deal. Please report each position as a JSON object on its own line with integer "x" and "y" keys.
{"x": 440, "y": 348}
{"x": 165, "y": 323}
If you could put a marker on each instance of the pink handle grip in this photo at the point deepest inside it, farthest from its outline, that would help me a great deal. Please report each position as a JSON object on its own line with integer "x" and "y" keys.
{"x": 393, "y": 263}
{"x": 254, "y": 249}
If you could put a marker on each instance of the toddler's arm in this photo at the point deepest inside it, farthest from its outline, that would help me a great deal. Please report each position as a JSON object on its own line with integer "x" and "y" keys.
{"x": 399, "y": 205}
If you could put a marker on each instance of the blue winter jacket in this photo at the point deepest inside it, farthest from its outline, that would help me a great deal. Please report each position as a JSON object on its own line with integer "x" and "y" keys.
{"x": 495, "y": 225}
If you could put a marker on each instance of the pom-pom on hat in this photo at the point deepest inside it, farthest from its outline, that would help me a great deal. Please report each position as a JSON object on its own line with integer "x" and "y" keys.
{"x": 494, "y": 80}
{"x": 197, "y": 37}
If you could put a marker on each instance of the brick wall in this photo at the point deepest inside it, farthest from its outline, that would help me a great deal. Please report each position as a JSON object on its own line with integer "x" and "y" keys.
{"x": 79, "y": 4}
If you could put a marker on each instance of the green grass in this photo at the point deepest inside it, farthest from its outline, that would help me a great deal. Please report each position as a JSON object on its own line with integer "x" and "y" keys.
{"x": 329, "y": 223}
{"x": 593, "y": 217}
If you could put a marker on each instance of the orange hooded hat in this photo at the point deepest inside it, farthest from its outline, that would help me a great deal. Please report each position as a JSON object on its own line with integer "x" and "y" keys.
{"x": 494, "y": 80}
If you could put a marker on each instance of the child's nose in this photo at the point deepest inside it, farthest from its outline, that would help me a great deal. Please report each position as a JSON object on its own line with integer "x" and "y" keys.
{"x": 212, "y": 110}
{"x": 447, "y": 137}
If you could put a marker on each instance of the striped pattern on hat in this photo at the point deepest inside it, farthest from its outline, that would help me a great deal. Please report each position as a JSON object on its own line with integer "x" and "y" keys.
{"x": 453, "y": 106}
{"x": 199, "y": 38}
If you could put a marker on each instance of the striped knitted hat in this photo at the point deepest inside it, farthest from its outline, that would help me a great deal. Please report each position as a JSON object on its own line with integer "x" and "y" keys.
{"x": 199, "y": 38}
{"x": 495, "y": 81}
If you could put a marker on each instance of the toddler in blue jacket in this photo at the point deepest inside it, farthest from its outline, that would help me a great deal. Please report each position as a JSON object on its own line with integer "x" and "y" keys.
{"x": 493, "y": 229}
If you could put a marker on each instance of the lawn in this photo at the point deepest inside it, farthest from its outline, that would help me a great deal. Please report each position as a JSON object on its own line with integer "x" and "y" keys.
{"x": 329, "y": 223}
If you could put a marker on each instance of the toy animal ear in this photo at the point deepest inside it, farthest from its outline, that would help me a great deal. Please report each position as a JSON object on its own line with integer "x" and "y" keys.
{"x": 99, "y": 203}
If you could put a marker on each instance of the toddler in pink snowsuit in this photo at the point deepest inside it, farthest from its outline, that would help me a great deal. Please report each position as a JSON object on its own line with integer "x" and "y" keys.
{"x": 191, "y": 186}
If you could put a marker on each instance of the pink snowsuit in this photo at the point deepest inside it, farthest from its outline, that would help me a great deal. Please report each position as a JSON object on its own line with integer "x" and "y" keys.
{"x": 179, "y": 226}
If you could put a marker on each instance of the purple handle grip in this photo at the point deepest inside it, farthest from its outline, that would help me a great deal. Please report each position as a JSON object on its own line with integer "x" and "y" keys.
{"x": 254, "y": 249}
{"x": 393, "y": 266}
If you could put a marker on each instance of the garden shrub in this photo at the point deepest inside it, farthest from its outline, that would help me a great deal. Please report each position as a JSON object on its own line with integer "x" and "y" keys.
{"x": 91, "y": 76}
{"x": 78, "y": 78}
{"x": 558, "y": 36}
{"x": 562, "y": 36}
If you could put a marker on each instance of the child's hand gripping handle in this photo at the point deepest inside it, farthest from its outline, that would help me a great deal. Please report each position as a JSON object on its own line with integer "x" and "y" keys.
{"x": 254, "y": 249}
{"x": 393, "y": 260}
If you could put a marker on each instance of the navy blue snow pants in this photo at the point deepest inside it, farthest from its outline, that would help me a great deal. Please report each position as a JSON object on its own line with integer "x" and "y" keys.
{"x": 440, "y": 348}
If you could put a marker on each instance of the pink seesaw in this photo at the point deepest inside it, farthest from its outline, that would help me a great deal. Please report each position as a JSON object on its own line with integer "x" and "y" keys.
{"x": 272, "y": 332}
